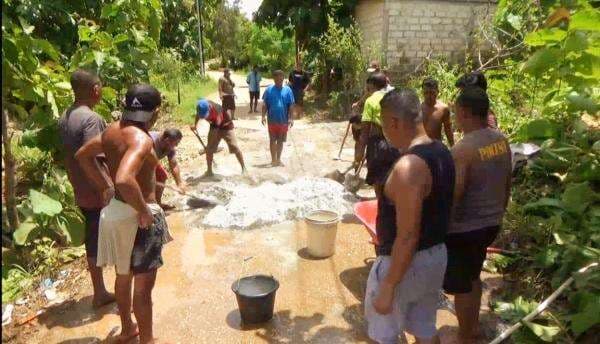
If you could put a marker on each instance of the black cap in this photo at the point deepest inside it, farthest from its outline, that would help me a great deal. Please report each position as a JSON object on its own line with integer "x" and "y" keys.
{"x": 140, "y": 102}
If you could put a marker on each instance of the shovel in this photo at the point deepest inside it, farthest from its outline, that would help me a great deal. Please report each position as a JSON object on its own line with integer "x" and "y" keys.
{"x": 204, "y": 146}
{"x": 339, "y": 156}
{"x": 194, "y": 201}
{"x": 353, "y": 182}
{"x": 337, "y": 175}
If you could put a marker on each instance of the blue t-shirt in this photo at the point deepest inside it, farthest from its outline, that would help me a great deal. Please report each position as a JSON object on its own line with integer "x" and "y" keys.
{"x": 278, "y": 102}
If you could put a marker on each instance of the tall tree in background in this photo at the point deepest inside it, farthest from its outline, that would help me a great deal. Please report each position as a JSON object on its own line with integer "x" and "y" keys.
{"x": 306, "y": 20}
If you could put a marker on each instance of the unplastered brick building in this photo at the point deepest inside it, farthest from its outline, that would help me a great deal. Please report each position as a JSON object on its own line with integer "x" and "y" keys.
{"x": 404, "y": 32}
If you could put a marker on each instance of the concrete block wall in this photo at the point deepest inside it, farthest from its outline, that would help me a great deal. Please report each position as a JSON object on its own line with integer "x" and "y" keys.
{"x": 411, "y": 29}
{"x": 369, "y": 17}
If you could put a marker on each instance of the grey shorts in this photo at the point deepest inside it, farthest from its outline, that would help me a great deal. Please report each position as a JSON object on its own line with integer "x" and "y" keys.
{"x": 416, "y": 297}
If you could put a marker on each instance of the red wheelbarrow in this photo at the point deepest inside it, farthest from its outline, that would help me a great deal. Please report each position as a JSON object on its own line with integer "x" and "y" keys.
{"x": 366, "y": 212}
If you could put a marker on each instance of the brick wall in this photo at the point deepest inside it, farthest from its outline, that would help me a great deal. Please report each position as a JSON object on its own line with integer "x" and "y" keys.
{"x": 417, "y": 27}
{"x": 369, "y": 16}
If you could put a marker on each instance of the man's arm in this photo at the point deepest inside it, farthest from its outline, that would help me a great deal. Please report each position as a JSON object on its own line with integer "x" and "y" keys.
{"x": 138, "y": 147}
{"x": 174, "y": 167}
{"x": 265, "y": 107}
{"x": 221, "y": 88}
{"x": 447, "y": 122}
{"x": 461, "y": 167}
{"x": 409, "y": 184}
{"x": 86, "y": 157}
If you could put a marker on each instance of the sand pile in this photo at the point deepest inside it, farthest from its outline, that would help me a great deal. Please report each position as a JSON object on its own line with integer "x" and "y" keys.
{"x": 244, "y": 206}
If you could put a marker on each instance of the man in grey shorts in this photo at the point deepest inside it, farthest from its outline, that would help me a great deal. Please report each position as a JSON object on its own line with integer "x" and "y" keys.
{"x": 412, "y": 221}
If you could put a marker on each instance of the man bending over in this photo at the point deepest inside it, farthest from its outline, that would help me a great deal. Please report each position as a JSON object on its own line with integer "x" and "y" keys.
{"x": 133, "y": 228}
{"x": 164, "y": 146}
{"x": 221, "y": 128}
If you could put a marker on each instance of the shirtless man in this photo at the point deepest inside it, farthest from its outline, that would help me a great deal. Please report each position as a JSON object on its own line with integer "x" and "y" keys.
{"x": 435, "y": 113}
{"x": 483, "y": 172}
{"x": 227, "y": 93}
{"x": 132, "y": 226}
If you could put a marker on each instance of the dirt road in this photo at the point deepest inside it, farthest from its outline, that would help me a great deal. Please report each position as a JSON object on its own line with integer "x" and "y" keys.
{"x": 319, "y": 301}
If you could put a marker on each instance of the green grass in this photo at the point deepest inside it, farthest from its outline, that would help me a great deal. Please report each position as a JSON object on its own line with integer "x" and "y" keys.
{"x": 190, "y": 91}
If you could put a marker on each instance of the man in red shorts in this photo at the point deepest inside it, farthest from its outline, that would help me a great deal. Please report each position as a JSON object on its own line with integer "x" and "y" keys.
{"x": 164, "y": 146}
{"x": 221, "y": 128}
{"x": 278, "y": 100}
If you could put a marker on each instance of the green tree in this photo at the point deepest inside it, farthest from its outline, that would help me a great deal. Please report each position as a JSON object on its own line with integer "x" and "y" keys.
{"x": 269, "y": 48}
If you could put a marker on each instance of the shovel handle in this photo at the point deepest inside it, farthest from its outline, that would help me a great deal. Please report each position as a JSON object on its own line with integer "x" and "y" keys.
{"x": 199, "y": 138}
{"x": 344, "y": 140}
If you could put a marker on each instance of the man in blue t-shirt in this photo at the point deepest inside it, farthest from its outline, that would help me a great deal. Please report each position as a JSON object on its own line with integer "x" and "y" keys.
{"x": 277, "y": 103}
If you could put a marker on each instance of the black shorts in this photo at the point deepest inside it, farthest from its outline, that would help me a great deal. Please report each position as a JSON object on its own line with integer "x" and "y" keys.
{"x": 254, "y": 95}
{"x": 466, "y": 253}
{"x": 92, "y": 221}
{"x": 298, "y": 97}
{"x": 147, "y": 248}
{"x": 381, "y": 157}
{"x": 356, "y": 132}
{"x": 228, "y": 102}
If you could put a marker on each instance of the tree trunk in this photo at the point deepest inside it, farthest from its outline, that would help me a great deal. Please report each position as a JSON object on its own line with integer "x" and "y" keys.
{"x": 10, "y": 181}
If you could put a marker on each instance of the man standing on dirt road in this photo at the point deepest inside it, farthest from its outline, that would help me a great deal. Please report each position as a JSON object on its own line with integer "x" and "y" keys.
{"x": 78, "y": 125}
{"x": 133, "y": 228}
{"x": 164, "y": 146}
{"x": 278, "y": 101}
{"x": 299, "y": 81}
{"x": 435, "y": 113}
{"x": 221, "y": 128}
{"x": 380, "y": 154}
{"x": 253, "y": 80}
{"x": 483, "y": 180}
{"x": 413, "y": 217}
{"x": 226, "y": 92}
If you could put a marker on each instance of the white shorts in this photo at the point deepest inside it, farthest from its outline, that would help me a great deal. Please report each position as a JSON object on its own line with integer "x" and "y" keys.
{"x": 416, "y": 297}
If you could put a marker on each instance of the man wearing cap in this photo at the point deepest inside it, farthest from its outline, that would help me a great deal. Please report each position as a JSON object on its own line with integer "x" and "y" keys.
{"x": 221, "y": 128}
{"x": 226, "y": 92}
{"x": 133, "y": 228}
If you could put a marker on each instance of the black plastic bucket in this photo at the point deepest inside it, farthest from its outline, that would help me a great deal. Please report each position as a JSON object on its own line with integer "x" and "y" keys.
{"x": 255, "y": 297}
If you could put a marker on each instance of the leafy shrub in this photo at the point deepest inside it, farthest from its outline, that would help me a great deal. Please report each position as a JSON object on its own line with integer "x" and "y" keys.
{"x": 268, "y": 48}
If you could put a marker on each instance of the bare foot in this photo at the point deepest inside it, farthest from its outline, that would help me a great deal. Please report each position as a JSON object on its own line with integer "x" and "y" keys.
{"x": 280, "y": 164}
{"x": 103, "y": 300}
{"x": 274, "y": 164}
{"x": 208, "y": 174}
{"x": 127, "y": 336}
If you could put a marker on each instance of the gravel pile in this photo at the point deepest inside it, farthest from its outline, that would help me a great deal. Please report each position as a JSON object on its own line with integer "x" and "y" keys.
{"x": 246, "y": 207}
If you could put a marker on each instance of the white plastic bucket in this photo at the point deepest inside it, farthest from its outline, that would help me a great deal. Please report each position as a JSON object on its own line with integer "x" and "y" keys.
{"x": 321, "y": 229}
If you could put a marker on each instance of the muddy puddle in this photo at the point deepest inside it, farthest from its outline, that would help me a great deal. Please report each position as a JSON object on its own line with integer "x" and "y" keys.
{"x": 318, "y": 301}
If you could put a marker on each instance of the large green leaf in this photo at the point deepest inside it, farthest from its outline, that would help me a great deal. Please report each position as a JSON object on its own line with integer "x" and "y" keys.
{"x": 576, "y": 41}
{"x": 21, "y": 235}
{"x": 545, "y": 333}
{"x": 588, "y": 317}
{"x": 538, "y": 129}
{"x": 577, "y": 197}
{"x": 579, "y": 102}
{"x": 73, "y": 227}
{"x": 42, "y": 204}
{"x": 541, "y": 61}
{"x": 545, "y": 36}
{"x": 588, "y": 20}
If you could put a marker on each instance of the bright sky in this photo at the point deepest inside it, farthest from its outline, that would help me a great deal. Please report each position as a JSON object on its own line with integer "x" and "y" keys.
{"x": 248, "y": 7}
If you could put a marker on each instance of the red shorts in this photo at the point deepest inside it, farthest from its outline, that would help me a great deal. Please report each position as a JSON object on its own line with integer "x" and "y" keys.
{"x": 278, "y": 129}
{"x": 161, "y": 173}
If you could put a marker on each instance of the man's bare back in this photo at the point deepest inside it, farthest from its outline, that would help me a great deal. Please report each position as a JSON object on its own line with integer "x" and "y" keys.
{"x": 121, "y": 143}
{"x": 434, "y": 117}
